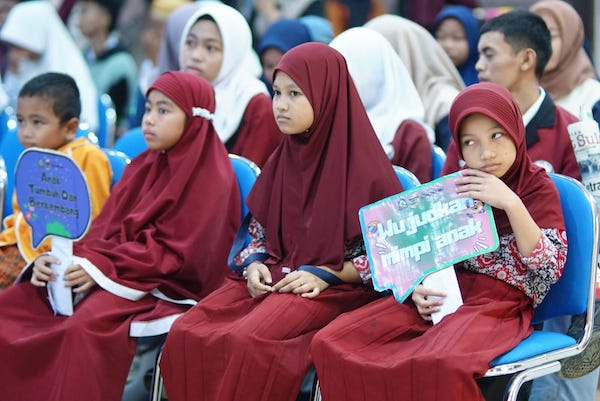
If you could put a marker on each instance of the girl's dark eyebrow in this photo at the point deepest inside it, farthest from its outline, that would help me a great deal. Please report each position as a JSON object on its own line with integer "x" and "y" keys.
{"x": 292, "y": 86}
{"x": 206, "y": 40}
{"x": 212, "y": 41}
{"x": 161, "y": 102}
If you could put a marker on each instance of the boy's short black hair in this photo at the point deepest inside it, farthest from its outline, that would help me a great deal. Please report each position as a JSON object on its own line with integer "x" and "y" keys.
{"x": 523, "y": 29}
{"x": 59, "y": 88}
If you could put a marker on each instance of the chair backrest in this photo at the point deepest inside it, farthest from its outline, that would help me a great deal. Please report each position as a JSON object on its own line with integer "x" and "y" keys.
{"x": 131, "y": 143}
{"x": 6, "y": 119}
{"x": 246, "y": 173}
{"x": 84, "y": 132}
{"x": 107, "y": 121}
{"x": 3, "y": 183}
{"x": 406, "y": 178}
{"x": 573, "y": 294}
{"x": 438, "y": 158}
{"x": 118, "y": 162}
{"x": 10, "y": 150}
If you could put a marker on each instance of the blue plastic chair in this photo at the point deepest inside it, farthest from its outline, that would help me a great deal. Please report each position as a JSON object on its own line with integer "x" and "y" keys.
{"x": 3, "y": 183}
{"x": 246, "y": 173}
{"x": 406, "y": 177}
{"x": 541, "y": 353}
{"x": 131, "y": 143}
{"x": 438, "y": 158}
{"x": 118, "y": 162}
{"x": 107, "y": 121}
{"x": 10, "y": 150}
{"x": 6, "y": 120}
{"x": 84, "y": 132}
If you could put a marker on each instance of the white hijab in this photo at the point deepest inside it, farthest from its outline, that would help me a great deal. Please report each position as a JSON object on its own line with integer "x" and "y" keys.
{"x": 432, "y": 71}
{"x": 237, "y": 80}
{"x": 36, "y": 26}
{"x": 383, "y": 82}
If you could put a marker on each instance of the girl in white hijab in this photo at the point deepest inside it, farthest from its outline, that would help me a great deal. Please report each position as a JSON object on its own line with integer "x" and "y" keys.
{"x": 217, "y": 44}
{"x": 41, "y": 43}
{"x": 389, "y": 95}
{"x": 432, "y": 71}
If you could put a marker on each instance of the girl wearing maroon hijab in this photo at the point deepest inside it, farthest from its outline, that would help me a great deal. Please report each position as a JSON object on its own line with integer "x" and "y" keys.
{"x": 388, "y": 350}
{"x": 249, "y": 340}
{"x": 160, "y": 244}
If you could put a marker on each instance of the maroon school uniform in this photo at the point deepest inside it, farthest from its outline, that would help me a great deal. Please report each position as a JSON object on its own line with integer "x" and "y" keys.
{"x": 258, "y": 134}
{"x": 412, "y": 150}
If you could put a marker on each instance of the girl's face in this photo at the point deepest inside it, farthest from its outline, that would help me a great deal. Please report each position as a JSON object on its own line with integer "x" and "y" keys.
{"x": 152, "y": 29}
{"x": 202, "y": 51}
{"x": 20, "y": 60}
{"x": 452, "y": 36}
{"x": 269, "y": 59}
{"x": 163, "y": 122}
{"x": 93, "y": 19}
{"x": 486, "y": 146}
{"x": 293, "y": 112}
{"x": 557, "y": 42}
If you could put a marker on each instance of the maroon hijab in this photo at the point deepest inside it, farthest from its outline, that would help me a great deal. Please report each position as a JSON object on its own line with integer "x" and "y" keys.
{"x": 171, "y": 219}
{"x": 309, "y": 192}
{"x": 527, "y": 180}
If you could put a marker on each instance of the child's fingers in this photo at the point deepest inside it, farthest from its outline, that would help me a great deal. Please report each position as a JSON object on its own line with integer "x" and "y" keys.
{"x": 285, "y": 282}
{"x": 256, "y": 291}
{"x": 76, "y": 274}
{"x": 311, "y": 294}
{"x": 74, "y": 268}
{"x": 425, "y": 292}
{"x": 84, "y": 287}
{"x": 45, "y": 260}
{"x": 37, "y": 282}
{"x": 43, "y": 273}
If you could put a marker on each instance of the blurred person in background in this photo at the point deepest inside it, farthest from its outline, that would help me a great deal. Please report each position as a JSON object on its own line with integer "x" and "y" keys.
{"x": 113, "y": 68}
{"x": 457, "y": 30}
{"x": 40, "y": 43}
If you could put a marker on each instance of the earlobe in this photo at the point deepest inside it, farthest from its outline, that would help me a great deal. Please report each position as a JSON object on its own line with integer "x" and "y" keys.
{"x": 71, "y": 128}
{"x": 528, "y": 59}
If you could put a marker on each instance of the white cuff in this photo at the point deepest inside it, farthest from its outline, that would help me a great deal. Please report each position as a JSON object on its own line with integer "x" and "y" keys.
{"x": 109, "y": 285}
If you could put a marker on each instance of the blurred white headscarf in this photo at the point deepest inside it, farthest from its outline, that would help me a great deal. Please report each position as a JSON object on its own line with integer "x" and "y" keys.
{"x": 36, "y": 26}
{"x": 383, "y": 82}
{"x": 435, "y": 76}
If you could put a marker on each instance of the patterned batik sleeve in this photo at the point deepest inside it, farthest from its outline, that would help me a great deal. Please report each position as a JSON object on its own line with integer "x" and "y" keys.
{"x": 257, "y": 242}
{"x": 533, "y": 274}
{"x": 546, "y": 262}
{"x": 356, "y": 252}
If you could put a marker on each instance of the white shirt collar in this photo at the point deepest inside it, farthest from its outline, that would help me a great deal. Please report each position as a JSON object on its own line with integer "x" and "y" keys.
{"x": 534, "y": 108}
